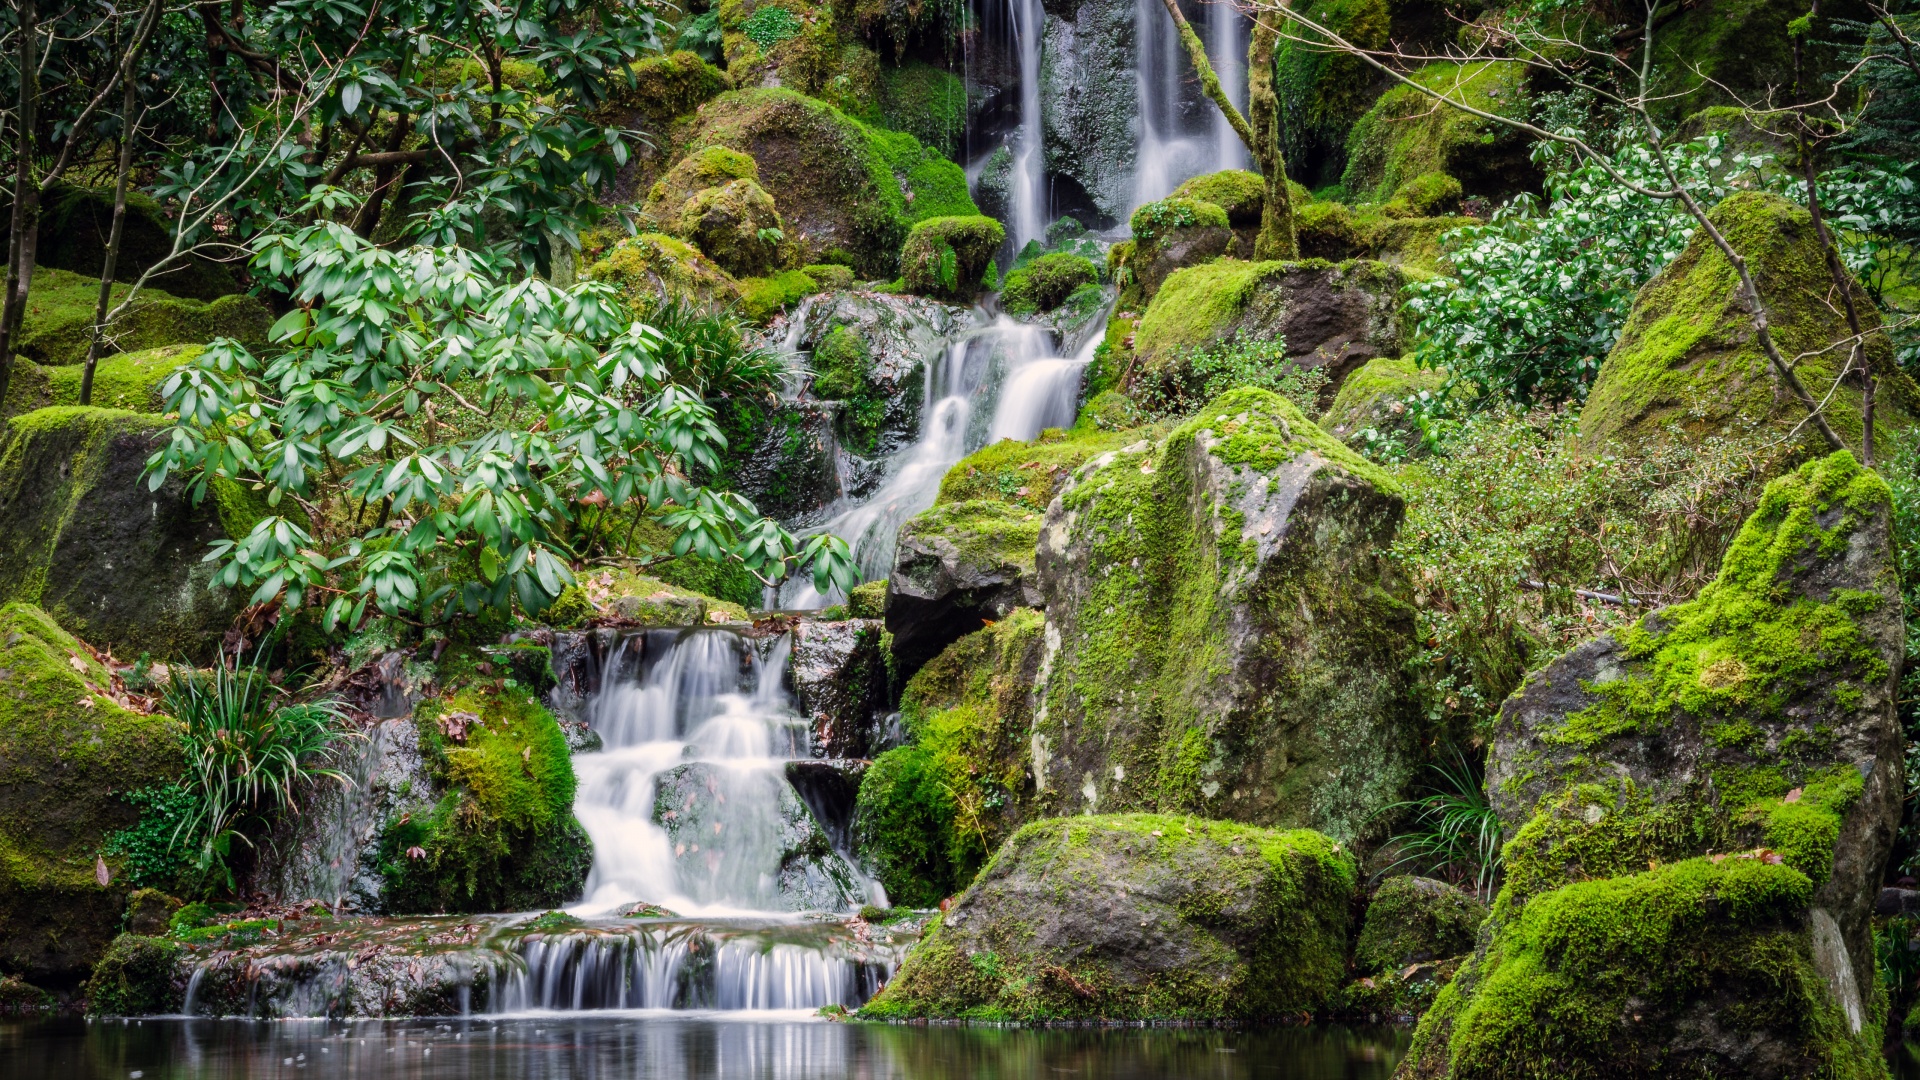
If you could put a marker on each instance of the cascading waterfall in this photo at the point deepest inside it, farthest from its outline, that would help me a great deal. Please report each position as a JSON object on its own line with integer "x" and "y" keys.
{"x": 1181, "y": 134}
{"x": 1029, "y": 179}
{"x": 1227, "y": 33}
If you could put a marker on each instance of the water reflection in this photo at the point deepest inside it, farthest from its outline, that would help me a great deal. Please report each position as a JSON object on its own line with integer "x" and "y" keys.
{"x": 642, "y": 1046}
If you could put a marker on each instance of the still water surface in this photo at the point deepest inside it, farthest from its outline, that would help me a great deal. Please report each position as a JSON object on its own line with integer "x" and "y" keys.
{"x": 644, "y": 1046}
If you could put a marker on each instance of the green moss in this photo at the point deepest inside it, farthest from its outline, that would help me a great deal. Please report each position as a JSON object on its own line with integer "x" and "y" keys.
{"x": 569, "y": 609}
{"x": 651, "y": 265}
{"x": 1323, "y": 92}
{"x": 926, "y": 102}
{"x": 1688, "y": 354}
{"x": 501, "y": 836}
{"x": 829, "y": 276}
{"x": 67, "y": 756}
{"x": 57, "y": 324}
{"x": 987, "y": 532}
{"x": 1376, "y": 404}
{"x": 1259, "y": 917}
{"x": 947, "y": 256}
{"x": 1241, "y": 194}
{"x": 1404, "y": 135}
{"x": 1325, "y": 230}
{"x": 868, "y": 601}
{"x": 1046, "y": 282}
{"x": 136, "y": 977}
{"x": 1431, "y": 194}
{"x": 1411, "y": 920}
{"x": 844, "y": 371}
{"x": 1156, "y": 220}
{"x": 75, "y": 223}
{"x": 764, "y": 297}
{"x": 1026, "y": 475}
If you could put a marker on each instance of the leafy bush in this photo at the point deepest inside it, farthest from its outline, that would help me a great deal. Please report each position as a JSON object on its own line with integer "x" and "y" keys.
{"x": 1541, "y": 294}
{"x": 708, "y": 351}
{"x": 947, "y": 256}
{"x": 1179, "y": 386}
{"x": 1511, "y": 516}
{"x": 703, "y": 37}
{"x": 152, "y": 847}
{"x": 1046, "y": 282}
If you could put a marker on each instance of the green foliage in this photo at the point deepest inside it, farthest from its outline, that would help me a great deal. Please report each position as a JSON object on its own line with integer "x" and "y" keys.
{"x": 135, "y": 978}
{"x": 903, "y": 818}
{"x": 1179, "y": 384}
{"x": 1046, "y": 282}
{"x": 151, "y": 850}
{"x": 386, "y": 333}
{"x": 1455, "y": 831}
{"x": 702, "y": 36}
{"x": 1541, "y": 295}
{"x": 1157, "y": 219}
{"x": 769, "y": 26}
{"x": 1876, "y": 208}
{"x": 948, "y": 256}
{"x": 247, "y": 757}
{"x": 709, "y": 351}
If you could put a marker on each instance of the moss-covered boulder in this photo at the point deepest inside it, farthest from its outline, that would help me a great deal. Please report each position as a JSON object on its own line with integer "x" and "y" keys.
{"x": 68, "y": 752}
{"x": 946, "y": 257}
{"x": 129, "y": 381}
{"x": 1377, "y": 404}
{"x": 1045, "y": 283}
{"x": 1413, "y": 920}
{"x": 56, "y": 326}
{"x": 497, "y": 831}
{"x": 1136, "y": 917}
{"x": 870, "y": 353}
{"x": 82, "y": 535}
{"x": 1168, "y": 235}
{"x": 845, "y": 188}
{"x": 654, "y": 265}
{"x": 663, "y": 88}
{"x": 1404, "y": 135}
{"x": 139, "y": 976}
{"x": 1699, "y": 809}
{"x": 736, "y": 225}
{"x": 1231, "y": 641}
{"x": 1333, "y": 317}
{"x": 1326, "y": 230}
{"x": 1688, "y": 355}
{"x": 76, "y": 222}
{"x": 838, "y": 672}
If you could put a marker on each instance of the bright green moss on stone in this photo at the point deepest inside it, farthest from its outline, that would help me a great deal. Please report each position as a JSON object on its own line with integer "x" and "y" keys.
{"x": 501, "y": 836}
{"x": 1242, "y": 195}
{"x": 1688, "y": 353}
{"x": 1026, "y": 475}
{"x": 762, "y": 298}
{"x": 138, "y": 976}
{"x": 1046, "y": 282}
{"x": 67, "y": 755}
{"x": 1403, "y": 135}
{"x": 129, "y": 381}
{"x": 1136, "y": 917}
{"x": 57, "y": 324}
{"x": 1413, "y": 920}
{"x": 946, "y": 257}
{"x": 653, "y": 265}
{"x": 1376, "y": 399}
{"x": 665, "y": 87}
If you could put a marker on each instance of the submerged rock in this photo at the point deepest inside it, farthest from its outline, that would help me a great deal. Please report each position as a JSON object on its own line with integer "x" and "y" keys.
{"x": 68, "y": 754}
{"x": 83, "y": 536}
{"x": 838, "y": 673}
{"x": 1698, "y": 809}
{"x": 1137, "y": 917}
{"x": 1224, "y": 636}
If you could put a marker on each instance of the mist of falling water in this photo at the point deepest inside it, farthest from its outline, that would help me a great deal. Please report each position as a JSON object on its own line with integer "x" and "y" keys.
{"x": 1181, "y": 133}
{"x": 1029, "y": 179}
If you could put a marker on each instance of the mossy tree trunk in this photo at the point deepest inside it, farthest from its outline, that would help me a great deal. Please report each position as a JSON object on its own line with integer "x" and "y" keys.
{"x": 1261, "y": 135}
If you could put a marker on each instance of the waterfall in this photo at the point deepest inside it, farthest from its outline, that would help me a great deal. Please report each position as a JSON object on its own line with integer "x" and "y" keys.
{"x": 1029, "y": 179}
{"x": 1181, "y": 133}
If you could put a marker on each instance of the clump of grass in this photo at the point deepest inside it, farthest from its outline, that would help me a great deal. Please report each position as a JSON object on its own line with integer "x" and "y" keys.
{"x": 1454, "y": 831}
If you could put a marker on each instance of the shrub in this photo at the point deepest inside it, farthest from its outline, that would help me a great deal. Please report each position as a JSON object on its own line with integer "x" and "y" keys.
{"x": 769, "y": 26}
{"x": 1178, "y": 386}
{"x": 1046, "y": 282}
{"x": 946, "y": 257}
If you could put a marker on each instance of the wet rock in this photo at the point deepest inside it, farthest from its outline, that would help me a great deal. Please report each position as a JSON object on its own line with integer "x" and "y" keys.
{"x": 1892, "y": 902}
{"x": 82, "y": 536}
{"x": 1137, "y": 917}
{"x": 661, "y": 608}
{"x": 780, "y": 455}
{"x": 68, "y": 754}
{"x": 138, "y": 976}
{"x": 839, "y": 679}
{"x": 1334, "y": 317}
{"x": 1377, "y": 404}
{"x": 830, "y": 789}
{"x": 1698, "y": 812}
{"x": 1223, "y": 634}
{"x": 1416, "y": 920}
{"x": 958, "y": 566}
{"x": 148, "y": 911}
{"x": 870, "y": 353}
{"x": 742, "y": 835}
{"x": 1088, "y": 98}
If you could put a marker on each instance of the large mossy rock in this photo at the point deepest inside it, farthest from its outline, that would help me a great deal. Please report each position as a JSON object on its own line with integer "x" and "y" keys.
{"x": 1688, "y": 355}
{"x": 1334, "y": 317}
{"x": 1415, "y": 920}
{"x": 1137, "y": 917}
{"x": 946, "y": 257}
{"x": 76, "y": 222}
{"x": 845, "y": 189}
{"x": 83, "y": 536}
{"x": 653, "y": 266}
{"x": 68, "y": 754}
{"x": 1224, "y": 635}
{"x": 56, "y": 326}
{"x": 1376, "y": 403}
{"x": 1404, "y": 136}
{"x": 1699, "y": 809}
{"x": 870, "y": 353}
{"x": 496, "y": 832}
{"x": 1168, "y": 235}
{"x": 130, "y": 381}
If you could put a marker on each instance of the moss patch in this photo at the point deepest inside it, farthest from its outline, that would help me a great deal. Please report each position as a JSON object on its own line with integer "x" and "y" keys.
{"x": 136, "y": 977}
{"x": 1046, "y": 282}
{"x": 1403, "y": 135}
{"x": 947, "y": 256}
{"x": 57, "y": 325}
{"x": 652, "y": 265}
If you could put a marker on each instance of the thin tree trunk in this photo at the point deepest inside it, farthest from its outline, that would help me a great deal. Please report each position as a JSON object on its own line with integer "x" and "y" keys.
{"x": 121, "y": 176}
{"x": 26, "y": 196}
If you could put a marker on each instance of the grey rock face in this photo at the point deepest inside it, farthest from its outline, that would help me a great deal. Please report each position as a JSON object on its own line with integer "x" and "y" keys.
{"x": 1088, "y": 101}
{"x": 1223, "y": 635}
{"x": 730, "y": 826}
{"x": 1742, "y": 744}
{"x": 956, "y": 566}
{"x": 839, "y": 679}
{"x": 787, "y": 469}
{"x": 1153, "y": 262}
{"x": 1122, "y": 917}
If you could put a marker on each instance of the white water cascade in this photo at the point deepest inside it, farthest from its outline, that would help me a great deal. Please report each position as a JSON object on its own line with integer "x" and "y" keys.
{"x": 1181, "y": 133}
{"x": 1028, "y": 182}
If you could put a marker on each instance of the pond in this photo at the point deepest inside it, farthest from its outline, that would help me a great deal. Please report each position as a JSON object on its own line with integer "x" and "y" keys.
{"x": 671, "y": 1046}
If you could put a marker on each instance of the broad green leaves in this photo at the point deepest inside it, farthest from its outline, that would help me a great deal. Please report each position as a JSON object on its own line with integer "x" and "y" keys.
{"x": 344, "y": 430}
